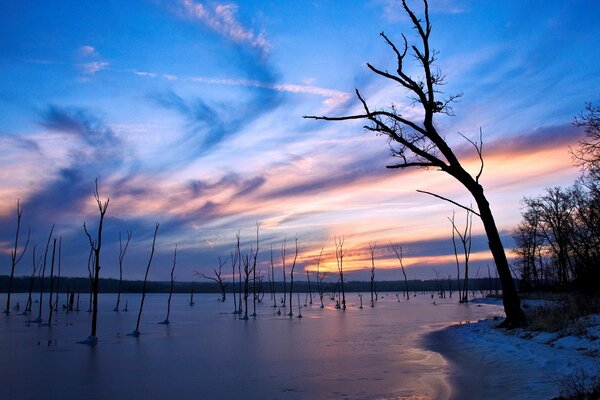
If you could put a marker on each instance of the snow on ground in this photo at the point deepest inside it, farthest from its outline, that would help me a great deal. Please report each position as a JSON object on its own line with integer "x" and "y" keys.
{"x": 494, "y": 363}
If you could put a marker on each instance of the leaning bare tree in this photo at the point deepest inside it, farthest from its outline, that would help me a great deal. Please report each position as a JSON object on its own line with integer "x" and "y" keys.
{"x": 166, "y": 321}
{"x": 15, "y": 255}
{"x": 419, "y": 144}
{"x": 398, "y": 251}
{"x": 96, "y": 245}
{"x": 136, "y": 332}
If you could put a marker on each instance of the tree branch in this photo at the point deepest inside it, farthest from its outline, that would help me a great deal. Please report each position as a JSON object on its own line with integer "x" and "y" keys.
{"x": 450, "y": 201}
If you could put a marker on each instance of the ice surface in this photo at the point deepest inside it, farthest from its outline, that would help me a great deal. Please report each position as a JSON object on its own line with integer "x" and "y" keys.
{"x": 206, "y": 352}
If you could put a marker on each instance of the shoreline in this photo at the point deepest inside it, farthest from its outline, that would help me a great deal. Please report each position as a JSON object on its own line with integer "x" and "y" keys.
{"x": 485, "y": 362}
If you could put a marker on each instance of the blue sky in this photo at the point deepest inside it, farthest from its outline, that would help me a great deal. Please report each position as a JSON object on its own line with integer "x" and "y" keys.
{"x": 190, "y": 113}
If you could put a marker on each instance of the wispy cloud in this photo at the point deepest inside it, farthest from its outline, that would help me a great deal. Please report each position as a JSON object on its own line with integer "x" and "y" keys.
{"x": 331, "y": 97}
{"x": 91, "y": 68}
{"x": 87, "y": 51}
{"x": 222, "y": 19}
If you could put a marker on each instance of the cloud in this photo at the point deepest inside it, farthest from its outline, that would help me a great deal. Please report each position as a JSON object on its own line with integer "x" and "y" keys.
{"x": 222, "y": 19}
{"x": 87, "y": 51}
{"x": 331, "y": 97}
{"x": 91, "y": 68}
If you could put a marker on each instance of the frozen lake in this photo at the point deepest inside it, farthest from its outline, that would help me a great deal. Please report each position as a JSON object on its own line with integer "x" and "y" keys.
{"x": 206, "y": 353}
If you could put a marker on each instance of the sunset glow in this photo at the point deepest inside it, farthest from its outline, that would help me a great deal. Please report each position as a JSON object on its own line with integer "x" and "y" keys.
{"x": 190, "y": 114}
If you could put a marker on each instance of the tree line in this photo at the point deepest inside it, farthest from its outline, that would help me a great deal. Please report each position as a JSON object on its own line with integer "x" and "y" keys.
{"x": 558, "y": 239}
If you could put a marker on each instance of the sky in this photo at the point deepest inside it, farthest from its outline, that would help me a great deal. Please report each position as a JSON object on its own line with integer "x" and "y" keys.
{"x": 189, "y": 114}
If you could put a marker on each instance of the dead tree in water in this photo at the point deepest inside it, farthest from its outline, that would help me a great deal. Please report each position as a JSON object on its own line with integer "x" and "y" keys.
{"x": 96, "y": 246}
{"x": 166, "y": 321}
{"x": 309, "y": 288}
{"x": 418, "y": 143}
{"x": 247, "y": 273}
{"x": 15, "y": 255}
{"x": 217, "y": 278}
{"x": 339, "y": 256}
{"x": 42, "y": 273}
{"x": 283, "y": 246}
{"x": 465, "y": 239}
{"x": 31, "y": 281}
{"x": 291, "y": 313}
{"x": 239, "y": 258}
{"x": 234, "y": 261}
{"x": 320, "y": 277}
{"x": 372, "y": 247}
{"x": 272, "y": 280}
{"x": 136, "y": 332}
{"x": 50, "y": 302}
{"x": 58, "y": 276}
{"x": 254, "y": 259}
{"x": 91, "y": 277}
{"x": 122, "y": 251}
{"x": 398, "y": 250}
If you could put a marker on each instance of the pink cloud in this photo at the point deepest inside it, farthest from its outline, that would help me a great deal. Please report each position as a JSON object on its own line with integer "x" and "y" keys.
{"x": 222, "y": 19}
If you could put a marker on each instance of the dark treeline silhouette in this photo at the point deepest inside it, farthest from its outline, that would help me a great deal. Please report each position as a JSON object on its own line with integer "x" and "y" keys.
{"x": 109, "y": 285}
{"x": 558, "y": 240}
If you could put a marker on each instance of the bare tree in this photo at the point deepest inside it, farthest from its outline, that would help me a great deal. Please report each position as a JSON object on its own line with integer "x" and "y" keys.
{"x": 339, "y": 256}
{"x": 372, "y": 247}
{"x": 234, "y": 261}
{"x": 254, "y": 260}
{"x": 96, "y": 245}
{"x": 309, "y": 288}
{"x": 587, "y": 156}
{"x": 217, "y": 278}
{"x": 42, "y": 273}
{"x": 16, "y": 255}
{"x": 272, "y": 280}
{"x": 398, "y": 250}
{"x": 320, "y": 277}
{"x": 167, "y": 321}
{"x": 419, "y": 144}
{"x": 50, "y": 302}
{"x": 58, "y": 276}
{"x": 465, "y": 239}
{"x": 283, "y": 246}
{"x": 239, "y": 258}
{"x": 247, "y": 272}
{"x": 136, "y": 332}
{"x": 122, "y": 251}
{"x": 291, "y": 313}
{"x": 32, "y": 280}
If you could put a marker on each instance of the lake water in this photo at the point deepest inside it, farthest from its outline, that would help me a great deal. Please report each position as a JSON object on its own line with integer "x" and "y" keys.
{"x": 206, "y": 353}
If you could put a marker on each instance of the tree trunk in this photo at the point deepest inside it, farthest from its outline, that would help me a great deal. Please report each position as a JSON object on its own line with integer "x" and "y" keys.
{"x": 510, "y": 298}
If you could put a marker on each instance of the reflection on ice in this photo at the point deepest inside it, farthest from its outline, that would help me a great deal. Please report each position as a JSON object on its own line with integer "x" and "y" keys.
{"x": 207, "y": 352}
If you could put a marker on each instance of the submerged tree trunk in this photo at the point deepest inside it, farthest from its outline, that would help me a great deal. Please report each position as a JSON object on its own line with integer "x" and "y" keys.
{"x": 136, "y": 332}
{"x": 122, "y": 251}
{"x": 15, "y": 256}
{"x": 50, "y": 303}
{"x": 166, "y": 321}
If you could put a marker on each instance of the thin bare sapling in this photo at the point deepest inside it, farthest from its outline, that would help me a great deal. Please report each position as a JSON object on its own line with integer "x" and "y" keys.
{"x": 136, "y": 332}
{"x": 291, "y": 313}
{"x": 398, "y": 251}
{"x": 122, "y": 251}
{"x": 16, "y": 254}
{"x": 96, "y": 246}
{"x": 167, "y": 321}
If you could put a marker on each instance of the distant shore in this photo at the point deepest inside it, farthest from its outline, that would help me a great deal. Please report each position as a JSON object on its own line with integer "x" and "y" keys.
{"x": 110, "y": 285}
